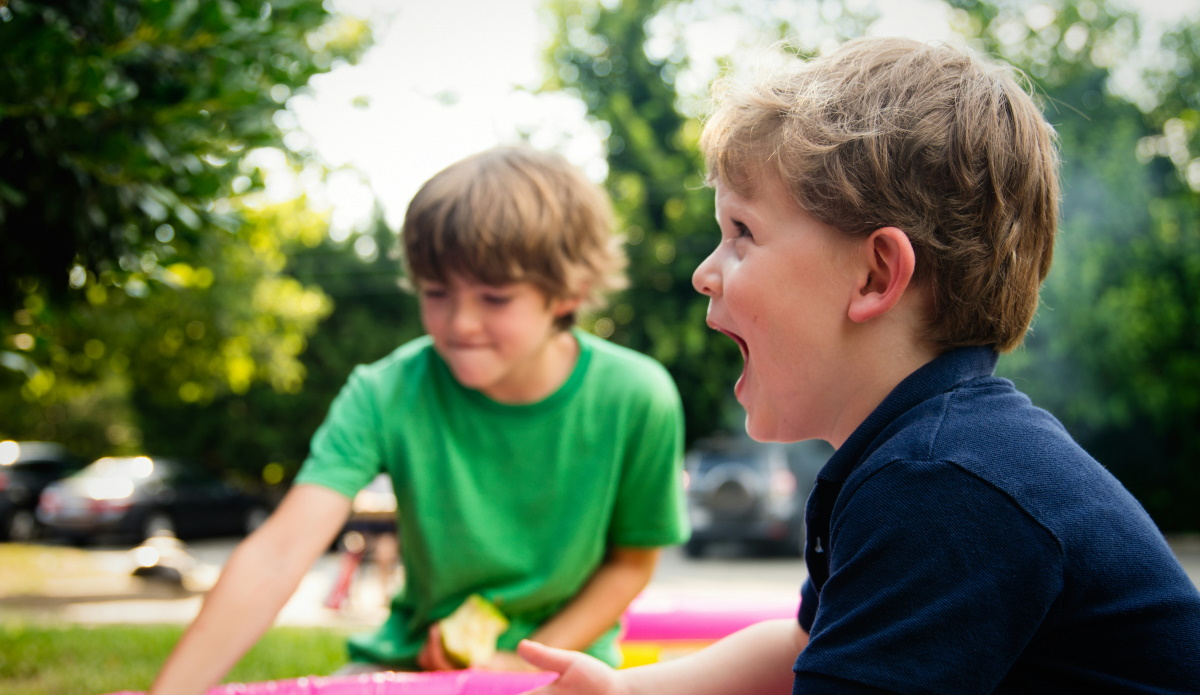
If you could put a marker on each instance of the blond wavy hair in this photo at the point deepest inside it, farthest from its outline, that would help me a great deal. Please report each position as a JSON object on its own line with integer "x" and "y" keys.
{"x": 928, "y": 138}
{"x": 516, "y": 214}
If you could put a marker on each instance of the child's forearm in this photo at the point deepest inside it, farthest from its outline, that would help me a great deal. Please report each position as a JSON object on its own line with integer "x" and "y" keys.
{"x": 757, "y": 659}
{"x": 259, "y": 578}
{"x": 237, "y": 611}
{"x": 602, "y": 601}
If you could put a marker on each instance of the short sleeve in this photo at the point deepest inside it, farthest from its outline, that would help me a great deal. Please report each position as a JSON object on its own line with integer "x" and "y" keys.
{"x": 345, "y": 454}
{"x": 937, "y": 583}
{"x": 650, "y": 508}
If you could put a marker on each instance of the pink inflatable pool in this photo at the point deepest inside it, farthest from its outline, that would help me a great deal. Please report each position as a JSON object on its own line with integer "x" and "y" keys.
{"x": 445, "y": 683}
{"x": 655, "y": 616}
{"x": 658, "y": 626}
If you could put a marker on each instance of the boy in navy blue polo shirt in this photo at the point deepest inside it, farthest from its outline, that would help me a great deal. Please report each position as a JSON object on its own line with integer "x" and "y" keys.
{"x": 887, "y": 217}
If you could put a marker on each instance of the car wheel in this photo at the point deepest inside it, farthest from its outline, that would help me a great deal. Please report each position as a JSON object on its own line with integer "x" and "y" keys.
{"x": 22, "y": 526}
{"x": 694, "y": 548}
{"x": 157, "y": 523}
{"x": 78, "y": 540}
{"x": 255, "y": 518}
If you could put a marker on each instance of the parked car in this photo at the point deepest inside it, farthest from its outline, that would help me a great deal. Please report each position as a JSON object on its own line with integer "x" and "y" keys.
{"x": 137, "y": 497}
{"x": 26, "y": 468}
{"x": 751, "y": 493}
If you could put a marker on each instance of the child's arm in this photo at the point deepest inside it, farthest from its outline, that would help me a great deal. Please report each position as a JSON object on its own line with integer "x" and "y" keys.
{"x": 605, "y": 596}
{"x": 597, "y": 607}
{"x": 260, "y": 576}
{"x": 602, "y": 601}
{"x": 757, "y": 659}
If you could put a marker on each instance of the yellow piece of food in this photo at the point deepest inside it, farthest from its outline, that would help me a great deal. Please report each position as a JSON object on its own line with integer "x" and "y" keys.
{"x": 469, "y": 633}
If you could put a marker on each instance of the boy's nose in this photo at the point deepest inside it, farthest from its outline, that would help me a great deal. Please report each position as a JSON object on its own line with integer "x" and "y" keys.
{"x": 707, "y": 279}
{"x": 464, "y": 318}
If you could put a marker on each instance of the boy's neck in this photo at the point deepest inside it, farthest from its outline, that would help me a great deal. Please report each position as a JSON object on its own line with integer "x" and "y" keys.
{"x": 545, "y": 375}
{"x": 876, "y": 377}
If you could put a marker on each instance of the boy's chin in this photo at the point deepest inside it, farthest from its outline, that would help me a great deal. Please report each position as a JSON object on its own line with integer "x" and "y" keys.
{"x": 472, "y": 379}
{"x": 767, "y": 430}
{"x": 759, "y": 431}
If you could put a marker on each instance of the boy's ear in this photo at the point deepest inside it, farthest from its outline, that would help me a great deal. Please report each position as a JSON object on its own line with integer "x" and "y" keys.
{"x": 887, "y": 268}
{"x": 565, "y": 305}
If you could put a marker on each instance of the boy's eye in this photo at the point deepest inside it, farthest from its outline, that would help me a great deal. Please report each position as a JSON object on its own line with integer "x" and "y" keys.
{"x": 433, "y": 292}
{"x": 497, "y": 299}
{"x": 741, "y": 230}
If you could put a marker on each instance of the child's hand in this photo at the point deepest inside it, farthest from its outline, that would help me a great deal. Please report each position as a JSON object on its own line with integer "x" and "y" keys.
{"x": 508, "y": 661}
{"x": 432, "y": 656}
{"x": 581, "y": 674}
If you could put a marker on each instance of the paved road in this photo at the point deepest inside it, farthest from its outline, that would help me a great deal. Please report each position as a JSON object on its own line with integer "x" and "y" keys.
{"x": 723, "y": 574}
{"x": 108, "y": 594}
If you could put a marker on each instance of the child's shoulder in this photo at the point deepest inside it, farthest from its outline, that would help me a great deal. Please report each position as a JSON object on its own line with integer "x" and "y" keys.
{"x": 607, "y": 356}
{"x": 624, "y": 374}
{"x": 982, "y": 419}
{"x": 405, "y": 362}
{"x": 989, "y": 432}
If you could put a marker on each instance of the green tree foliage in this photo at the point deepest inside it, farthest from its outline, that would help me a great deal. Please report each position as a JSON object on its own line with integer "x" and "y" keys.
{"x": 224, "y": 320}
{"x": 140, "y": 271}
{"x": 122, "y": 121}
{"x": 264, "y": 432}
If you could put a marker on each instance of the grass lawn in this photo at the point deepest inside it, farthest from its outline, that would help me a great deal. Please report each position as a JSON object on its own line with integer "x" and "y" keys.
{"x": 94, "y": 660}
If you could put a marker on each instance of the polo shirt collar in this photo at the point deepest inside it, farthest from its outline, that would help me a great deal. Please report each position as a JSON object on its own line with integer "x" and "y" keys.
{"x": 942, "y": 374}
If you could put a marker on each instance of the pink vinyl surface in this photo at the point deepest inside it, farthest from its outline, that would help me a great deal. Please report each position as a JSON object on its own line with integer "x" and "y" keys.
{"x": 443, "y": 683}
{"x": 656, "y": 617}
{"x": 652, "y": 617}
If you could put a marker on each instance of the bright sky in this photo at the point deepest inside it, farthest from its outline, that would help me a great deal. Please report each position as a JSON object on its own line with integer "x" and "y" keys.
{"x": 439, "y": 84}
{"x": 443, "y": 79}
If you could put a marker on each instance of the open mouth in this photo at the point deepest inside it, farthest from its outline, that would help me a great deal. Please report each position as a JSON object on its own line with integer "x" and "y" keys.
{"x": 740, "y": 343}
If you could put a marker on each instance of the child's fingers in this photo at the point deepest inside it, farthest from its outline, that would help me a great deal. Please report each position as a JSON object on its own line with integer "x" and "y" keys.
{"x": 580, "y": 674}
{"x": 433, "y": 657}
{"x": 424, "y": 660}
{"x": 547, "y": 658}
{"x": 508, "y": 661}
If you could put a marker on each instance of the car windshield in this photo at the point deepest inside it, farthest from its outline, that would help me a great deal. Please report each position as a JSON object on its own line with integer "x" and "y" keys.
{"x": 113, "y": 478}
{"x": 136, "y": 468}
{"x": 13, "y": 453}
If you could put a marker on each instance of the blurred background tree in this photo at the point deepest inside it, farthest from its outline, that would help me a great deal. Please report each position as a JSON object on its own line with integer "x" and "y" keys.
{"x": 265, "y": 429}
{"x": 142, "y": 270}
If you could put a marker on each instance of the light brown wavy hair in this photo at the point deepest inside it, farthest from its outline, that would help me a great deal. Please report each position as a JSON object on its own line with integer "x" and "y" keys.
{"x": 928, "y": 138}
{"x": 516, "y": 214}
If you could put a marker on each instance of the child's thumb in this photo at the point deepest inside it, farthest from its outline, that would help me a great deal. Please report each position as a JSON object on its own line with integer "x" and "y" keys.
{"x": 546, "y": 658}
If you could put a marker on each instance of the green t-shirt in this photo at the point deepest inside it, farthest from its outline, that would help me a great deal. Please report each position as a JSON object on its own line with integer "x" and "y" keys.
{"x": 515, "y": 502}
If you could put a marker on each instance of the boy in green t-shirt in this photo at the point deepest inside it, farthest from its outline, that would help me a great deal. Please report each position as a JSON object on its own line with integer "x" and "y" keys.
{"x": 533, "y": 463}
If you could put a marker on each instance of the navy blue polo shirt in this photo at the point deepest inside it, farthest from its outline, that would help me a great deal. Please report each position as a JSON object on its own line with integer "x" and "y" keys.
{"x": 961, "y": 542}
